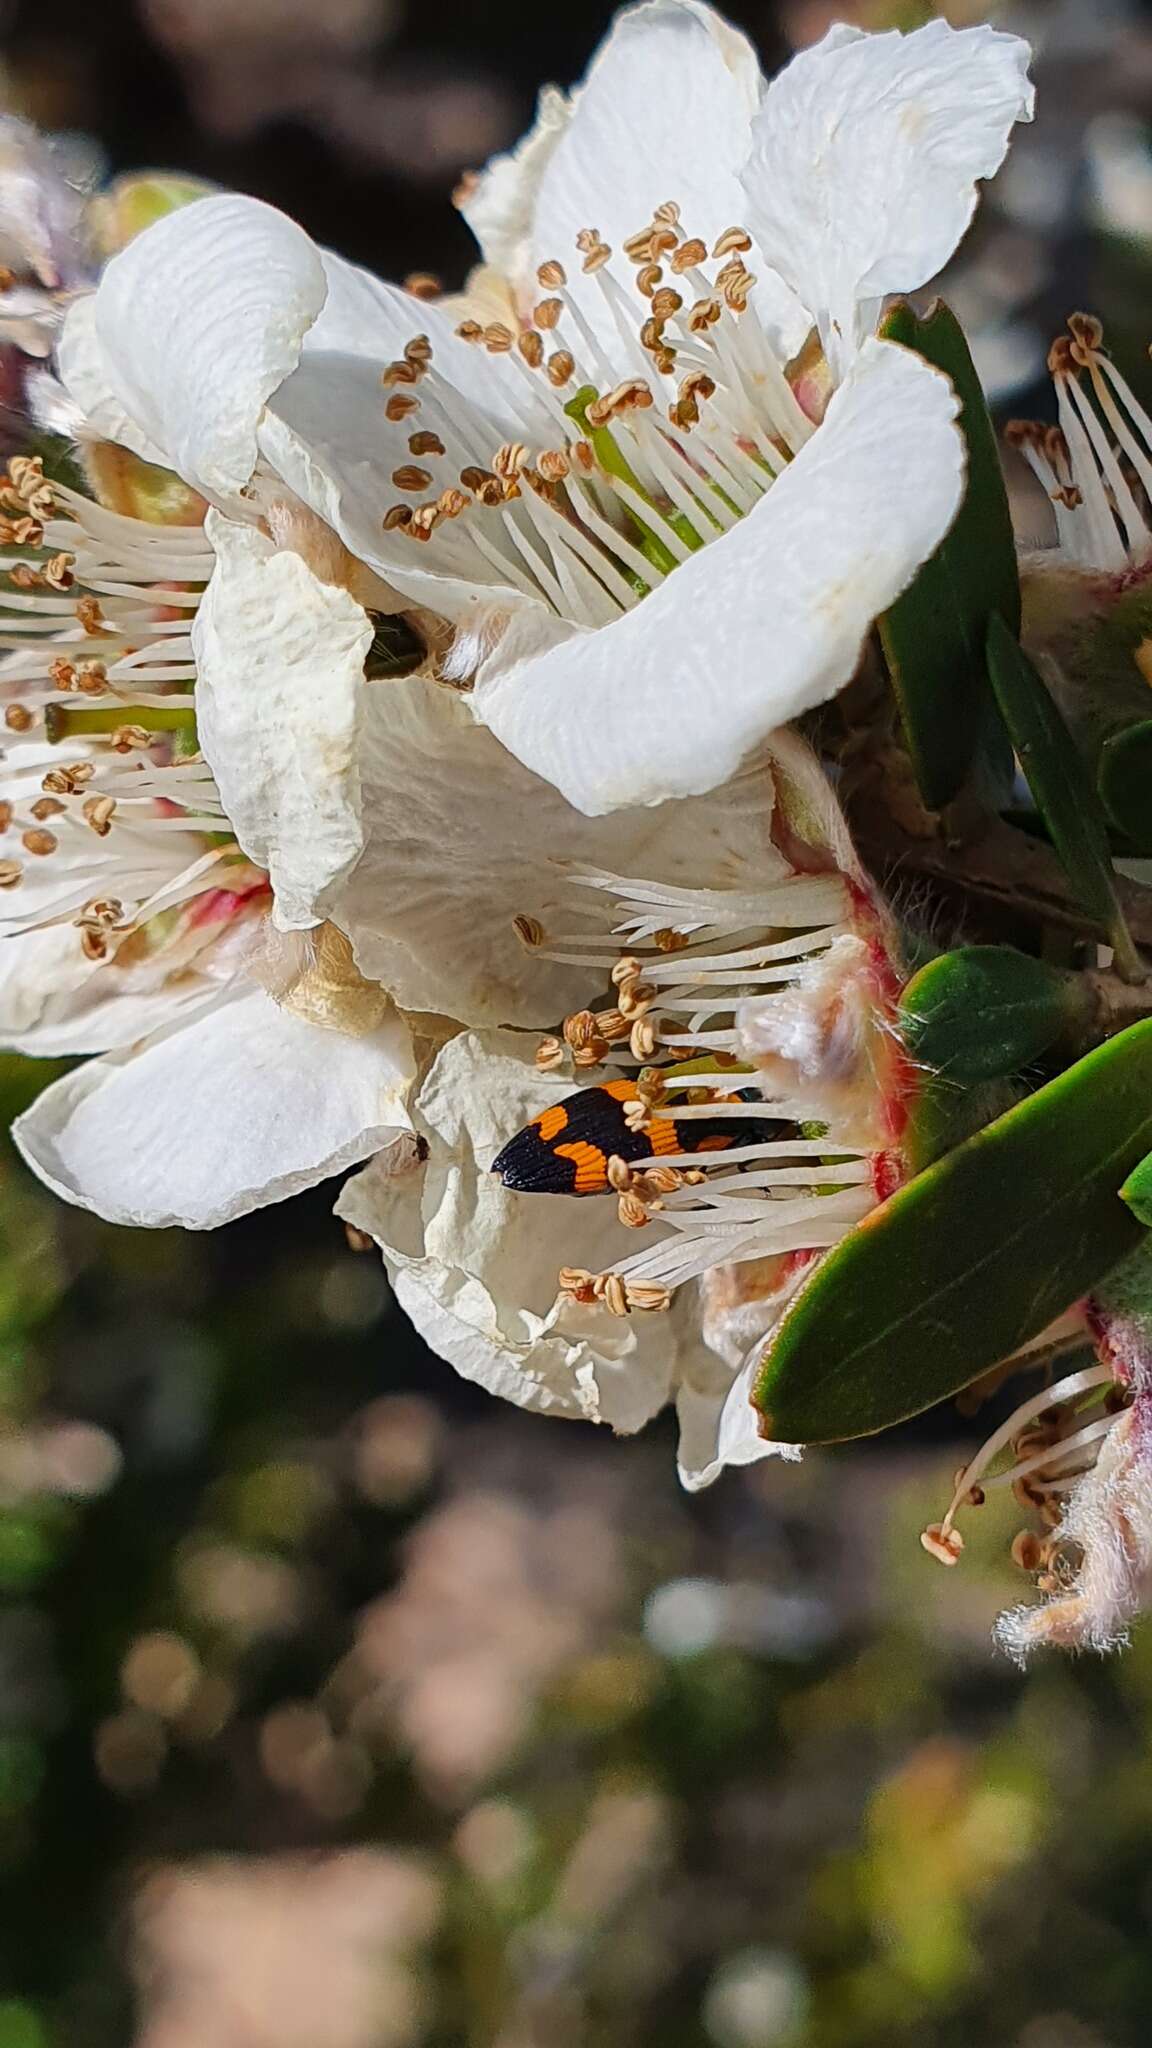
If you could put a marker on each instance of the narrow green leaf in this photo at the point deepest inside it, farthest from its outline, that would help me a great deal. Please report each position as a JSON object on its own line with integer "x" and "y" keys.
{"x": 970, "y": 1260}
{"x": 933, "y": 637}
{"x": 1137, "y": 1191}
{"x": 1061, "y": 785}
{"x": 1124, "y": 780}
{"x": 984, "y": 1012}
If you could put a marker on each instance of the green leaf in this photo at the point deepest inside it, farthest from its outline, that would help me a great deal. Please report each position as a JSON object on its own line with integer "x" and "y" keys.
{"x": 933, "y": 637}
{"x": 984, "y": 1012}
{"x": 970, "y": 1260}
{"x": 1124, "y": 780}
{"x": 1061, "y": 785}
{"x": 943, "y": 1113}
{"x": 1137, "y": 1191}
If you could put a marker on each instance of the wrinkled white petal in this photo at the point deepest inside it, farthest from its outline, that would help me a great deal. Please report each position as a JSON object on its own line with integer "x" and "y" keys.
{"x": 195, "y": 324}
{"x": 766, "y": 622}
{"x": 244, "y": 1107}
{"x": 718, "y": 1427}
{"x": 665, "y": 114}
{"x": 280, "y": 661}
{"x": 88, "y": 386}
{"x": 866, "y": 155}
{"x": 475, "y": 1266}
{"x": 461, "y": 838}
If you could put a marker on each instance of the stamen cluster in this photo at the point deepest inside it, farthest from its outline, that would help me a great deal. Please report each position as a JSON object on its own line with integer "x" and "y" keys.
{"x": 117, "y": 814}
{"x": 592, "y": 521}
{"x": 692, "y": 958}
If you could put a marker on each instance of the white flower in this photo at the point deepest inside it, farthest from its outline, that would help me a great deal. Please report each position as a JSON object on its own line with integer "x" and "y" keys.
{"x": 132, "y": 925}
{"x": 649, "y": 552}
{"x": 244, "y": 1053}
{"x": 634, "y": 551}
{"x": 457, "y": 839}
{"x": 192, "y": 775}
{"x": 1096, "y": 465}
{"x": 1081, "y": 1458}
{"x": 476, "y": 1268}
{"x": 155, "y": 727}
{"x": 241, "y": 1060}
{"x": 1097, "y": 1564}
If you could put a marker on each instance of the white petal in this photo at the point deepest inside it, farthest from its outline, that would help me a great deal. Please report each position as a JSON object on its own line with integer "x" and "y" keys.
{"x": 242, "y": 1107}
{"x": 368, "y": 318}
{"x": 280, "y": 666}
{"x": 762, "y": 624}
{"x": 55, "y": 1002}
{"x": 738, "y": 1306}
{"x": 461, "y": 839}
{"x": 88, "y": 382}
{"x": 500, "y": 207}
{"x": 198, "y": 321}
{"x": 718, "y": 1428}
{"x": 475, "y": 1266}
{"x": 327, "y": 434}
{"x": 867, "y": 151}
{"x": 37, "y": 969}
{"x": 665, "y": 114}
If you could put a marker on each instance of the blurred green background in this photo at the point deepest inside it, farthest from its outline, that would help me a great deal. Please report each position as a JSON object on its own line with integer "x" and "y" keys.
{"x": 340, "y": 1708}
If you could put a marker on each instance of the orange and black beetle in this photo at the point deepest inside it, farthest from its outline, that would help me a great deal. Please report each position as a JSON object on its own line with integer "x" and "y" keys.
{"x": 566, "y": 1148}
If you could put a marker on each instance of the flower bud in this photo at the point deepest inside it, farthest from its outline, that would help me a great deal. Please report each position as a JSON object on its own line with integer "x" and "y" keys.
{"x": 132, "y": 203}
{"x": 124, "y": 483}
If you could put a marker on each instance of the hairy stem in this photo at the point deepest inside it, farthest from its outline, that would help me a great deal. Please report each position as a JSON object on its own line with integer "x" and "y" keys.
{"x": 1001, "y": 870}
